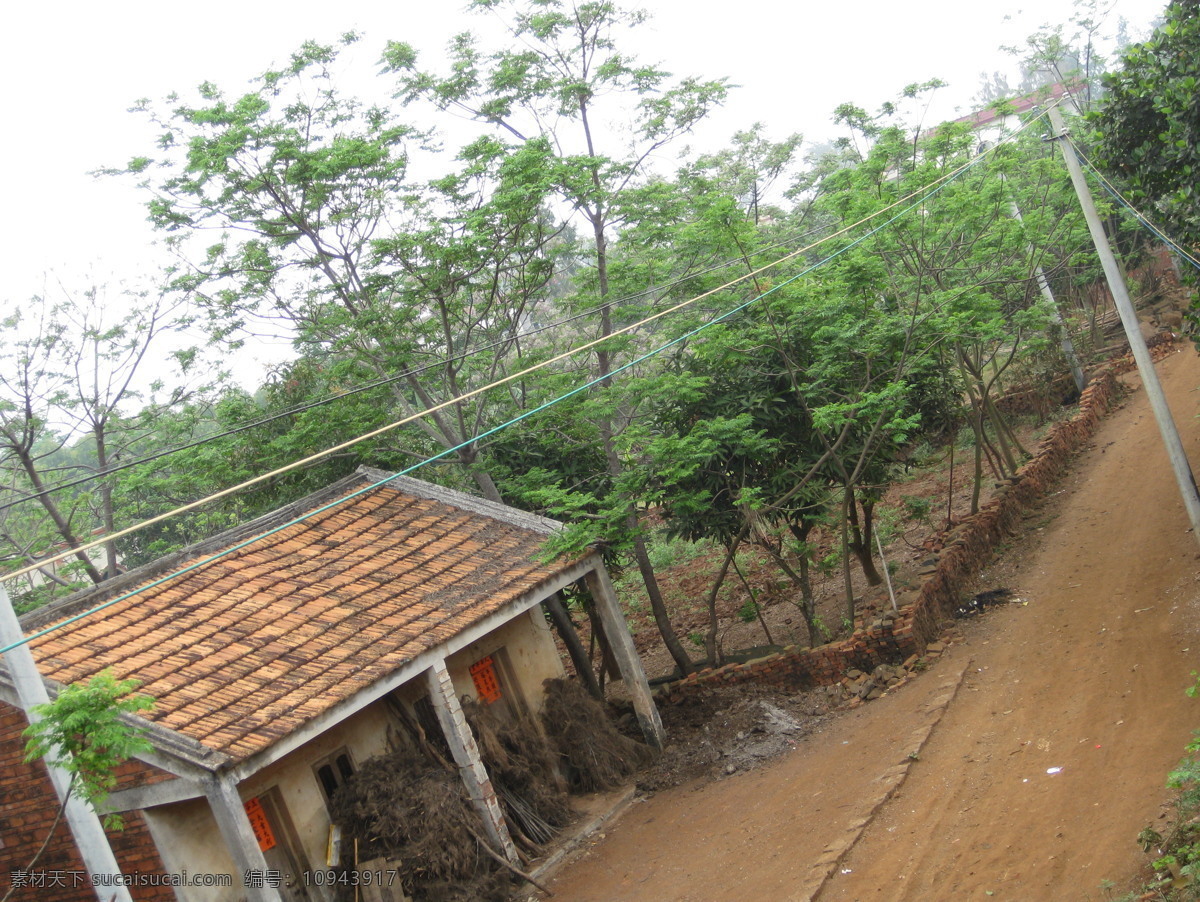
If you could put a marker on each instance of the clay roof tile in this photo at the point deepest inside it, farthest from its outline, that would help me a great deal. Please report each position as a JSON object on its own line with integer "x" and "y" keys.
{"x": 245, "y": 647}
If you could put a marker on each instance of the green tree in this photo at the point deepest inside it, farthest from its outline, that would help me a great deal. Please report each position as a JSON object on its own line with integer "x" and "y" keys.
{"x": 188, "y": 452}
{"x": 1147, "y": 130}
{"x": 965, "y": 266}
{"x": 737, "y": 462}
{"x": 84, "y": 731}
{"x": 1073, "y": 52}
{"x": 750, "y": 166}
{"x": 74, "y": 371}
{"x": 566, "y": 71}
{"x": 322, "y": 234}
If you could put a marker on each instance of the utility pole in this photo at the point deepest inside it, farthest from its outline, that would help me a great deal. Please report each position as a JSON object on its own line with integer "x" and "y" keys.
{"x": 1137, "y": 344}
{"x": 1068, "y": 346}
{"x": 90, "y": 838}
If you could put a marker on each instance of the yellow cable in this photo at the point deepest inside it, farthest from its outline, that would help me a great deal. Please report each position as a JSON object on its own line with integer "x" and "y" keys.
{"x": 468, "y": 395}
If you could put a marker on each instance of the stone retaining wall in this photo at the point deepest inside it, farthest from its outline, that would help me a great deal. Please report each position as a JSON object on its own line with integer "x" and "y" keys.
{"x": 945, "y": 576}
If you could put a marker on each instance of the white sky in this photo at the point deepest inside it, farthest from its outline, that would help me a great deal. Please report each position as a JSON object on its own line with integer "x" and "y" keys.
{"x": 72, "y": 69}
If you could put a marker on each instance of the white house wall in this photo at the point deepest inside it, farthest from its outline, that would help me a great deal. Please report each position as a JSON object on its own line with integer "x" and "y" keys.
{"x": 188, "y": 841}
{"x": 364, "y": 734}
{"x": 186, "y": 833}
{"x": 531, "y": 653}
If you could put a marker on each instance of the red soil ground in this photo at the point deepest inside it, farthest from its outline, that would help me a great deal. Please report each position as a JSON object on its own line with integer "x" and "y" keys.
{"x": 1021, "y": 766}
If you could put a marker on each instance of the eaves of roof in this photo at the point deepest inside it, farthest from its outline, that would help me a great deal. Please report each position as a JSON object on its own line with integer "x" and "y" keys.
{"x": 245, "y": 638}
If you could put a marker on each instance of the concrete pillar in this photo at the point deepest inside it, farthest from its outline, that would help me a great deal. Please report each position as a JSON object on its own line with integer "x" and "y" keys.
{"x": 86, "y": 829}
{"x": 1173, "y": 445}
{"x": 630, "y": 665}
{"x": 234, "y": 824}
{"x": 466, "y": 756}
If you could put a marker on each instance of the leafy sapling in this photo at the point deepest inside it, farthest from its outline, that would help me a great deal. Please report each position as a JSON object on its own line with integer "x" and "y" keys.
{"x": 83, "y": 733}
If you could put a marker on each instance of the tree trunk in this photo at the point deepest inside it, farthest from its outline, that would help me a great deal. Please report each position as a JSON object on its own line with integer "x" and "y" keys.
{"x": 440, "y": 430}
{"x": 659, "y": 608}
{"x": 950, "y": 491}
{"x": 800, "y": 531}
{"x": 657, "y": 605}
{"x": 1002, "y": 424}
{"x": 754, "y": 601}
{"x": 807, "y": 609}
{"x": 60, "y": 522}
{"x": 977, "y": 428}
{"x": 107, "y": 517}
{"x": 608, "y": 663}
{"x": 487, "y": 486}
{"x": 1005, "y": 458}
{"x": 570, "y": 637}
{"x": 847, "y": 581}
{"x": 860, "y": 538}
{"x": 710, "y": 638}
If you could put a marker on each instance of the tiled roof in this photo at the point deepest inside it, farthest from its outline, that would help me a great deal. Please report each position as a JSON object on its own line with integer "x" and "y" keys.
{"x": 242, "y": 650}
{"x": 1023, "y": 104}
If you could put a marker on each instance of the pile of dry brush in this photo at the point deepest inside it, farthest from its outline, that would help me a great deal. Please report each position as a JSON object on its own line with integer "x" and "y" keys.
{"x": 411, "y": 807}
{"x": 596, "y": 755}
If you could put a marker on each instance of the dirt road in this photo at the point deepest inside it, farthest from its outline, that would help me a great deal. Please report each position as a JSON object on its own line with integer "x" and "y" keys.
{"x": 1020, "y": 767}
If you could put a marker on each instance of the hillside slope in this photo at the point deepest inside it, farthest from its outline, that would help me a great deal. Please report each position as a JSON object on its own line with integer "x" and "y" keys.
{"x": 944, "y": 789}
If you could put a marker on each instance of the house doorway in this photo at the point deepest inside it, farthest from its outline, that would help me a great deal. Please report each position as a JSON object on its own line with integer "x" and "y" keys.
{"x": 287, "y": 868}
{"x": 495, "y": 686}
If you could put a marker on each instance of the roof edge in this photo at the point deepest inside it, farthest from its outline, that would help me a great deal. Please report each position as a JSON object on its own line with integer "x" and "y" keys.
{"x": 473, "y": 503}
{"x": 363, "y": 479}
{"x": 173, "y": 751}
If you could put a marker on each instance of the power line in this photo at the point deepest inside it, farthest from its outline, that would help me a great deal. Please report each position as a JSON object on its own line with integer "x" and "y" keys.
{"x": 387, "y": 380}
{"x": 931, "y": 189}
{"x": 1153, "y": 229}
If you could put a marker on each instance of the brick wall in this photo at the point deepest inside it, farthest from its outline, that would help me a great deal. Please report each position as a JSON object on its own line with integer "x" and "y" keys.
{"x": 28, "y": 806}
{"x": 945, "y": 576}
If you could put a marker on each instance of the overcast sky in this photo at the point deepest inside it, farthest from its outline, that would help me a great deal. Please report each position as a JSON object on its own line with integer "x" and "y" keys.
{"x": 71, "y": 70}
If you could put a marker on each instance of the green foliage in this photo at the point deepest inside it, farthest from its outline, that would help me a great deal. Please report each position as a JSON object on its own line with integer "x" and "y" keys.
{"x": 666, "y": 551}
{"x": 748, "y": 612}
{"x": 1076, "y": 51}
{"x": 83, "y": 733}
{"x": 1147, "y": 131}
{"x": 1179, "y": 849}
{"x": 237, "y": 436}
{"x": 916, "y": 508}
{"x": 1148, "y": 128}
{"x": 296, "y": 204}
{"x": 830, "y": 563}
{"x": 423, "y": 285}
{"x": 822, "y": 632}
{"x": 1179, "y": 860}
{"x": 72, "y": 373}
{"x": 958, "y": 271}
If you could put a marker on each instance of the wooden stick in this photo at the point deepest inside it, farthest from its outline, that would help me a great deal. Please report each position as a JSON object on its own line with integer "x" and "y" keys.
{"x": 508, "y": 864}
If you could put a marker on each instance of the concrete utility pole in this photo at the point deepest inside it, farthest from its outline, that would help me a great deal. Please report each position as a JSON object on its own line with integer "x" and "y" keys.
{"x": 1068, "y": 346}
{"x": 90, "y": 838}
{"x": 1137, "y": 344}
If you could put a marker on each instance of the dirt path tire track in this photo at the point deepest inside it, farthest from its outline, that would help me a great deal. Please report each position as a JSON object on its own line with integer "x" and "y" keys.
{"x": 888, "y": 784}
{"x": 1089, "y": 677}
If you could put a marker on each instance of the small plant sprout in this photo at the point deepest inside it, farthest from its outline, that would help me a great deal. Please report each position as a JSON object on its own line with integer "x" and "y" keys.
{"x": 83, "y": 733}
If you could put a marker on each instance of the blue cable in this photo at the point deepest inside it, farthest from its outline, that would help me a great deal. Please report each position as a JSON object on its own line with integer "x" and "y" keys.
{"x": 715, "y": 321}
